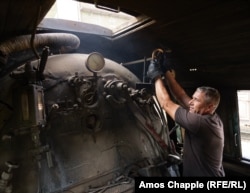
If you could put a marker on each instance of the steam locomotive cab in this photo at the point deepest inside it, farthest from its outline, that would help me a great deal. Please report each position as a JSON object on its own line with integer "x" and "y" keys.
{"x": 84, "y": 118}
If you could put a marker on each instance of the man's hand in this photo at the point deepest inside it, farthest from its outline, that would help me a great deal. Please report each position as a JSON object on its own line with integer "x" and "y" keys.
{"x": 166, "y": 63}
{"x": 154, "y": 70}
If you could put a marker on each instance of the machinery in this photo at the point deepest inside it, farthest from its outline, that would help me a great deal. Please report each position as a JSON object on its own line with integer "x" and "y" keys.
{"x": 78, "y": 123}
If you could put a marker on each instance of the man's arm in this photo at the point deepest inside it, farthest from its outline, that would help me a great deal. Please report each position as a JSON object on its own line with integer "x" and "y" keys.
{"x": 164, "y": 99}
{"x": 177, "y": 91}
{"x": 154, "y": 73}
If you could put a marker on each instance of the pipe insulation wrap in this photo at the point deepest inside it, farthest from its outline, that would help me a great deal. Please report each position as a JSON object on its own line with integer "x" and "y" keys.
{"x": 65, "y": 40}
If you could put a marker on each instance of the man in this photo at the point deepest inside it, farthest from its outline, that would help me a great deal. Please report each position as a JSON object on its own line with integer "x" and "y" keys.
{"x": 204, "y": 134}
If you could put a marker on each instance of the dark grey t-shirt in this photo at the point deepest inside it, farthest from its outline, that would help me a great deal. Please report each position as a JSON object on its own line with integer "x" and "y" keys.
{"x": 203, "y": 143}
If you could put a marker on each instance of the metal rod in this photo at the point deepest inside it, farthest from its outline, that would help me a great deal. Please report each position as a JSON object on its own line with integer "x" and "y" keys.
{"x": 136, "y": 61}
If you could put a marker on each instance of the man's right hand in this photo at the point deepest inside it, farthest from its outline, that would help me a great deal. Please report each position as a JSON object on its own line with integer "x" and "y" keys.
{"x": 154, "y": 70}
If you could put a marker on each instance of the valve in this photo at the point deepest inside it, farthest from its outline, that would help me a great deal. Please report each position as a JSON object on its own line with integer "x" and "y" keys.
{"x": 116, "y": 92}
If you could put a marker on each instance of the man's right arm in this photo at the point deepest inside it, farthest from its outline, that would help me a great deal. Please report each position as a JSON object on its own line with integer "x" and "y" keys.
{"x": 177, "y": 91}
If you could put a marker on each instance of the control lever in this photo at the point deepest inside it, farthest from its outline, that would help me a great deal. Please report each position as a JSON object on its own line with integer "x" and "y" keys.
{"x": 43, "y": 62}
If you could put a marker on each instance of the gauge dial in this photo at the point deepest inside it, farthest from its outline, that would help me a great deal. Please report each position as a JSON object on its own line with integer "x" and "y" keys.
{"x": 95, "y": 62}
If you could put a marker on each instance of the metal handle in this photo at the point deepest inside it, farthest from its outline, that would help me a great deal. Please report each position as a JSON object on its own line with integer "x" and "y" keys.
{"x": 117, "y": 10}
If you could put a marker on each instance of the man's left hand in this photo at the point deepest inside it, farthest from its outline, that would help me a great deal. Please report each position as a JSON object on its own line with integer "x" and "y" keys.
{"x": 166, "y": 63}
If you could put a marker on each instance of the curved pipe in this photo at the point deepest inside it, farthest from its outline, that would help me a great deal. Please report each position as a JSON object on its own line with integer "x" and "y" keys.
{"x": 20, "y": 43}
{"x": 64, "y": 42}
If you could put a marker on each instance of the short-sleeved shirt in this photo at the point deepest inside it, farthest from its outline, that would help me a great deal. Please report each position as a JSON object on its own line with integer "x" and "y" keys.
{"x": 203, "y": 143}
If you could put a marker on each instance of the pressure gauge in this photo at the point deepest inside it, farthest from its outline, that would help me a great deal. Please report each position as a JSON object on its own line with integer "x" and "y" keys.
{"x": 95, "y": 62}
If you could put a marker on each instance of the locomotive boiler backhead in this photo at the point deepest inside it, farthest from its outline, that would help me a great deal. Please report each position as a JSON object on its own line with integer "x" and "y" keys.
{"x": 80, "y": 124}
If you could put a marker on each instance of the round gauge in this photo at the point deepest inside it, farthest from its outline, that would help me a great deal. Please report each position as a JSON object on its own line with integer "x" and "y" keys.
{"x": 95, "y": 62}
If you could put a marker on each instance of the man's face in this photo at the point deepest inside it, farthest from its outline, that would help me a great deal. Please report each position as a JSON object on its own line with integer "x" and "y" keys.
{"x": 198, "y": 104}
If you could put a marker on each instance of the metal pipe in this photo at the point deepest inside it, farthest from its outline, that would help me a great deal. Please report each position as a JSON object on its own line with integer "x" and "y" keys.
{"x": 21, "y": 43}
{"x": 136, "y": 61}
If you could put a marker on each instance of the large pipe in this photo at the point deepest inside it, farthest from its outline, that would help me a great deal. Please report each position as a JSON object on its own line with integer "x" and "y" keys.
{"x": 64, "y": 42}
{"x": 20, "y": 43}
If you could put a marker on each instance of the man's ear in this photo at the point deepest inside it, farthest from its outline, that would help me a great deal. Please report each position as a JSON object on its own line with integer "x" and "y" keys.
{"x": 211, "y": 107}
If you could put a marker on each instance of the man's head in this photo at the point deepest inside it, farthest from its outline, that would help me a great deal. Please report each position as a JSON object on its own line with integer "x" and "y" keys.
{"x": 205, "y": 100}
